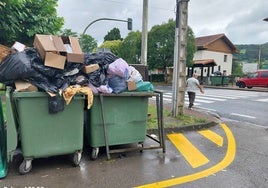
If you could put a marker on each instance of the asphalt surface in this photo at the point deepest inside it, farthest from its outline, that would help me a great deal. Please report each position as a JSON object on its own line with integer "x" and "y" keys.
{"x": 239, "y": 161}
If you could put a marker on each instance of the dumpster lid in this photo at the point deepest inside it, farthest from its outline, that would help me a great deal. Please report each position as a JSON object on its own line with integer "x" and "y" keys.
{"x": 128, "y": 94}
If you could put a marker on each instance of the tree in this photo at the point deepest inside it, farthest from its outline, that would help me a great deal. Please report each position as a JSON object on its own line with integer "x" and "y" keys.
{"x": 161, "y": 46}
{"x": 237, "y": 68}
{"x": 21, "y": 19}
{"x": 68, "y": 32}
{"x": 191, "y": 47}
{"x": 113, "y": 45}
{"x": 87, "y": 43}
{"x": 130, "y": 49}
{"x": 114, "y": 34}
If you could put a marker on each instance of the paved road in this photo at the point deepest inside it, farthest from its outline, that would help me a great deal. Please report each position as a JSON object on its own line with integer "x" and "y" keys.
{"x": 221, "y": 156}
{"x": 245, "y": 106}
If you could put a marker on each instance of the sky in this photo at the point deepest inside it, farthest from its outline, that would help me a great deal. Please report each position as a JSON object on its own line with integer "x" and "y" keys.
{"x": 240, "y": 20}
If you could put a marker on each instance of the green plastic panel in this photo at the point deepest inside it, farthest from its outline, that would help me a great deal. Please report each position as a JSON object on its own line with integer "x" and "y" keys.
{"x": 43, "y": 134}
{"x": 12, "y": 134}
{"x": 3, "y": 145}
{"x": 125, "y": 117}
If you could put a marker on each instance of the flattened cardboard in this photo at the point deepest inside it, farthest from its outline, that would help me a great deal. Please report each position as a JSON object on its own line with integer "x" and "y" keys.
{"x": 4, "y": 52}
{"x": 55, "y": 60}
{"x": 90, "y": 68}
{"x": 131, "y": 86}
{"x": 25, "y": 86}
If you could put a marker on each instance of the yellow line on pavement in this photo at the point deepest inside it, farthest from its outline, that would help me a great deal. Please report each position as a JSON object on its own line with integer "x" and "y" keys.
{"x": 226, "y": 161}
{"x": 194, "y": 157}
{"x": 212, "y": 136}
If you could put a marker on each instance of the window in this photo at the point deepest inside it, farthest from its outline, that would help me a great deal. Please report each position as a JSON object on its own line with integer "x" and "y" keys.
{"x": 225, "y": 58}
{"x": 264, "y": 75}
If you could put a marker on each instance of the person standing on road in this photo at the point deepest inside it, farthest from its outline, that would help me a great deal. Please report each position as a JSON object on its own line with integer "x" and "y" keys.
{"x": 192, "y": 85}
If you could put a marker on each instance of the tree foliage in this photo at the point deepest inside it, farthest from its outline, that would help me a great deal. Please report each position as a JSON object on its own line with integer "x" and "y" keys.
{"x": 113, "y": 45}
{"x": 21, "y": 19}
{"x": 161, "y": 45}
{"x": 191, "y": 47}
{"x": 114, "y": 34}
{"x": 237, "y": 68}
{"x": 68, "y": 32}
{"x": 87, "y": 43}
{"x": 130, "y": 49}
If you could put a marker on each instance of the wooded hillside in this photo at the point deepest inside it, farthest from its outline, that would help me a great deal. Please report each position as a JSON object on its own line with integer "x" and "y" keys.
{"x": 250, "y": 53}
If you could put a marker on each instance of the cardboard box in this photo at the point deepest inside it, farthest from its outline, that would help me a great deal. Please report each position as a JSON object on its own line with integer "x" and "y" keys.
{"x": 51, "y": 50}
{"x": 90, "y": 68}
{"x": 4, "y": 52}
{"x": 131, "y": 86}
{"x": 25, "y": 86}
{"x": 18, "y": 46}
{"x": 74, "y": 51}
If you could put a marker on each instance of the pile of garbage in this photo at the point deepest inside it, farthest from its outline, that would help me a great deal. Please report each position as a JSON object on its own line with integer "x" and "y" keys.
{"x": 56, "y": 63}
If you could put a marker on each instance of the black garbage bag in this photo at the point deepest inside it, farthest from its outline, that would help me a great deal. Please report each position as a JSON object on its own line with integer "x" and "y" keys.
{"x": 100, "y": 58}
{"x": 16, "y": 66}
{"x": 103, "y": 59}
{"x": 52, "y": 79}
{"x": 45, "y": 83}
{"x": 97, "y": 78}
{"x": 55, "y": 104}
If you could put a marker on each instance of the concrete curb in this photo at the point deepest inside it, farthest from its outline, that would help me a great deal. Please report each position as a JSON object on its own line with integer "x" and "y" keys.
{"x": 180, "y": 129}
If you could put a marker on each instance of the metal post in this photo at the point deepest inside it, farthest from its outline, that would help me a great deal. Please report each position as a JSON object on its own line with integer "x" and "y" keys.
{"x": 175, "y": 64}
{"x": 144, "y": 33}
{"x": 129, "y": 20}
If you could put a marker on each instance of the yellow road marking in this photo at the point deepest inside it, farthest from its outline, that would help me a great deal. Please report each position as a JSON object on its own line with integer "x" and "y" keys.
{"x": 194, "y": 157}
{"x": 212, "y": 136}
{"x": 226, "y": 161}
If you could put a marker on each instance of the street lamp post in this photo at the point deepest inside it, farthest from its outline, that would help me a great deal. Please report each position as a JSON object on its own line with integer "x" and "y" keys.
{"x": 129, "y": 23}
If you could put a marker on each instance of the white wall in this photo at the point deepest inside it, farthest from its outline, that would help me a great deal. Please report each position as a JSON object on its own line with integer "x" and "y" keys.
{"x": 250, "y": 67}
{"x": 218, "y": 58}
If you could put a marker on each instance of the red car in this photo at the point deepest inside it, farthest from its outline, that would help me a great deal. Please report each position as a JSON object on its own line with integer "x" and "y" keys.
{"x": 256, "y": 79}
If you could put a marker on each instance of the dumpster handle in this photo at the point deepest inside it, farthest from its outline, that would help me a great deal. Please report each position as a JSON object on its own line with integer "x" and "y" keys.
{"x": 104, "y": 128}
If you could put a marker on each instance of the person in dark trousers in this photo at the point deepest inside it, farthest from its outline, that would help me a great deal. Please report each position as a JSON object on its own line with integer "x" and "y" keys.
{"x": 192, "y": 85}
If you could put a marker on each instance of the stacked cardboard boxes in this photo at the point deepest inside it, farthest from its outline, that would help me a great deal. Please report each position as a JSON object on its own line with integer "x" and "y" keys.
{"x": 56, "y": 50}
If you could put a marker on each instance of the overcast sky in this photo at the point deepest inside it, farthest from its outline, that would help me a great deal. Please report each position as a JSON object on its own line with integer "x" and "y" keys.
{"x": 240, "y": 20}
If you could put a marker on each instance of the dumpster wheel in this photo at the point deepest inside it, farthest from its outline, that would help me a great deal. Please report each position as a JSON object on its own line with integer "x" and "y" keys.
{"x": 94, "y": 153}
{"x": 25, "y": 166}
{"x": 141, "y": 145}
{"x": 77, "y": 158}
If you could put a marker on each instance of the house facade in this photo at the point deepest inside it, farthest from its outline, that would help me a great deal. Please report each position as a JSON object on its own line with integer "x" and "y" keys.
{"x": 217, "y": 48}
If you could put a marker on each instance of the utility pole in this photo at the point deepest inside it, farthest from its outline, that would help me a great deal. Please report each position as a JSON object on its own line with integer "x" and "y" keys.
{"x": 180, "y": 51}
{"x": 144, "y": 33}
{"x": 259, "y": 59}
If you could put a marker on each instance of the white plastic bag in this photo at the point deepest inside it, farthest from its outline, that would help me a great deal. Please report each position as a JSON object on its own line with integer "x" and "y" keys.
{"x": 134, "y": 74}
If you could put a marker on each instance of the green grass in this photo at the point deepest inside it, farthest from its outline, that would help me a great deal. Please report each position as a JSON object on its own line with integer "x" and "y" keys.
{"x": 169, "y": 121}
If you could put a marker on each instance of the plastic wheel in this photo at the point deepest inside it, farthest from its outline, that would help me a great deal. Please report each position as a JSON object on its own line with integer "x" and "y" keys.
{"x": 94, "y": 153}
{"x": 141, "y": 145}
{"x": 25, "y": 166}
{"x": 77, "y": 158}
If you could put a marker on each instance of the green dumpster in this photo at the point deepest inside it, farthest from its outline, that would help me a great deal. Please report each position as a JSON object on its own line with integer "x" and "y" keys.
{"x": 3, "y": 144}
{"x": 43, "y": 134}
{"x": 219, "y": 80}
{"x": 123, "y": 115}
